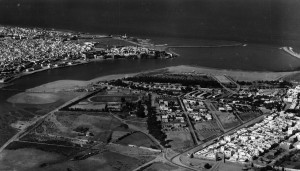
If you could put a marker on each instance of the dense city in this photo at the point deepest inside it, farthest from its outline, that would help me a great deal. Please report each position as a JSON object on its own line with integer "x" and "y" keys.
{"x": 28, "y": 50}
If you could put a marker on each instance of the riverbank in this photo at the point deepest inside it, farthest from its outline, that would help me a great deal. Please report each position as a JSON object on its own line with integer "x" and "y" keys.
{"x": 290, "y": 51}
{"x": 69, "y": 85}
{"x": 7, "y": 83}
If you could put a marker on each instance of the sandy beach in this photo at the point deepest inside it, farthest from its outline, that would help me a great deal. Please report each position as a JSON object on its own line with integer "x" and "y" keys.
{"x": 235, "y": 74}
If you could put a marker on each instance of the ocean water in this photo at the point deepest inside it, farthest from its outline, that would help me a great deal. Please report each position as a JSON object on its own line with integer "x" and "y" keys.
{"x": 267, "y": 21}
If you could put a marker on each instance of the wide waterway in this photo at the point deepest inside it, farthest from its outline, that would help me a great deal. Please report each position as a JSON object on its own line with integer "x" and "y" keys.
{"x": 251, "y": 57}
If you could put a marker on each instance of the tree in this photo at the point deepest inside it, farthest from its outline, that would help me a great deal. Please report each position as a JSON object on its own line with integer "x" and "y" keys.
{"x": 207, "y": 166}
{"x": 140, "y": 111}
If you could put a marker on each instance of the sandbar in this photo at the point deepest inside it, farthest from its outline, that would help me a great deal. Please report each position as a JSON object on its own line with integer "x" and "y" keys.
{"x": 33, "y": 98}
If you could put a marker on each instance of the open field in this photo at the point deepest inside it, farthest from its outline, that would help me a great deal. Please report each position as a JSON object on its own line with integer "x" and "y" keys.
{"x": 25, "y": 159}
{"x": 179, "y": 141}
{"x": 159, "y": 166}
{"x": 64, "y": 124}
{"x": 141, "y": 125}
{"x": 33, "y": 98}
{"x": 73, "y": 129}
{"x": 246, "y": 116}
{"x": 131, "y": 151}
{"x": 62, "y": 150}
{"x": 138, "y": 139}
{"x": 207, "y": 130}
{"x": 222, "y": 79}
{"x": 30, "y": 159}
{"x": 228, "y": 120}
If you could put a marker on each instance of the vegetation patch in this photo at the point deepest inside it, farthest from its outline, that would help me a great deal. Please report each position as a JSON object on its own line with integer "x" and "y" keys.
{"x": 138, "y": 139}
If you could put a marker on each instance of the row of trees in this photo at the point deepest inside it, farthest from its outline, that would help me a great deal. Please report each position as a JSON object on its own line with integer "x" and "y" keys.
{"x": 154, "y": 126}
{"x": 162, "y": 79}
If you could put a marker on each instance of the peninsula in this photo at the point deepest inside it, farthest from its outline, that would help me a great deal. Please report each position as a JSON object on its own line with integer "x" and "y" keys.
{"x": 25, "y": 51}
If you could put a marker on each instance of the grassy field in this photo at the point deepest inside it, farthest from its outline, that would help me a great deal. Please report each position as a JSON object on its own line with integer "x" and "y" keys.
{"x": 65, "y": 151}
{"x": 179, "y": 141}
{"x": 228, "y": 120}
{"x": 138, "y": 139}
{"x": 248, "y": 116}
{"x": 30, "y": 159}
{"x": 26, "y": 159}
{"x": 159, "y": 166}
{"x": 207, "y": 130}
{"x": 141, "y": 125}
{"x": 113, "y": 98}
{"x": 62, "y": 125}
{"x": 131, "y": 151}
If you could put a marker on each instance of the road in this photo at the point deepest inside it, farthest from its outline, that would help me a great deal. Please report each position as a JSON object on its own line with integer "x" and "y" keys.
{"x": 36, "y": 123}
{"x": 209, "y": 105}
{"x": 228, "y": 89}
{"x": 191, "y": 128}
{"x": 22, "y": 132}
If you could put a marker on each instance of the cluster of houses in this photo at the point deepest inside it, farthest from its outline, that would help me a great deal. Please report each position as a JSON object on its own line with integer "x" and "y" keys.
{"x": 129, "y": 50}
{"x": 170, "y": 114}
{"x": 204, "y": 93}
{"x": 292, "y": 96}
{"x": 246, "y": 144}
{"x": 197, "y": 110}
{"x": 157, "y": 86}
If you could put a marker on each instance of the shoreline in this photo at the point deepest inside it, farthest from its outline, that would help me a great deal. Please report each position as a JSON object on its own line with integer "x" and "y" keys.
{"x": 23, "y": 74}
{"x": 290, "y": 51}
{"x": 66, "y": 85}
{"x": 241, "y": 75}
